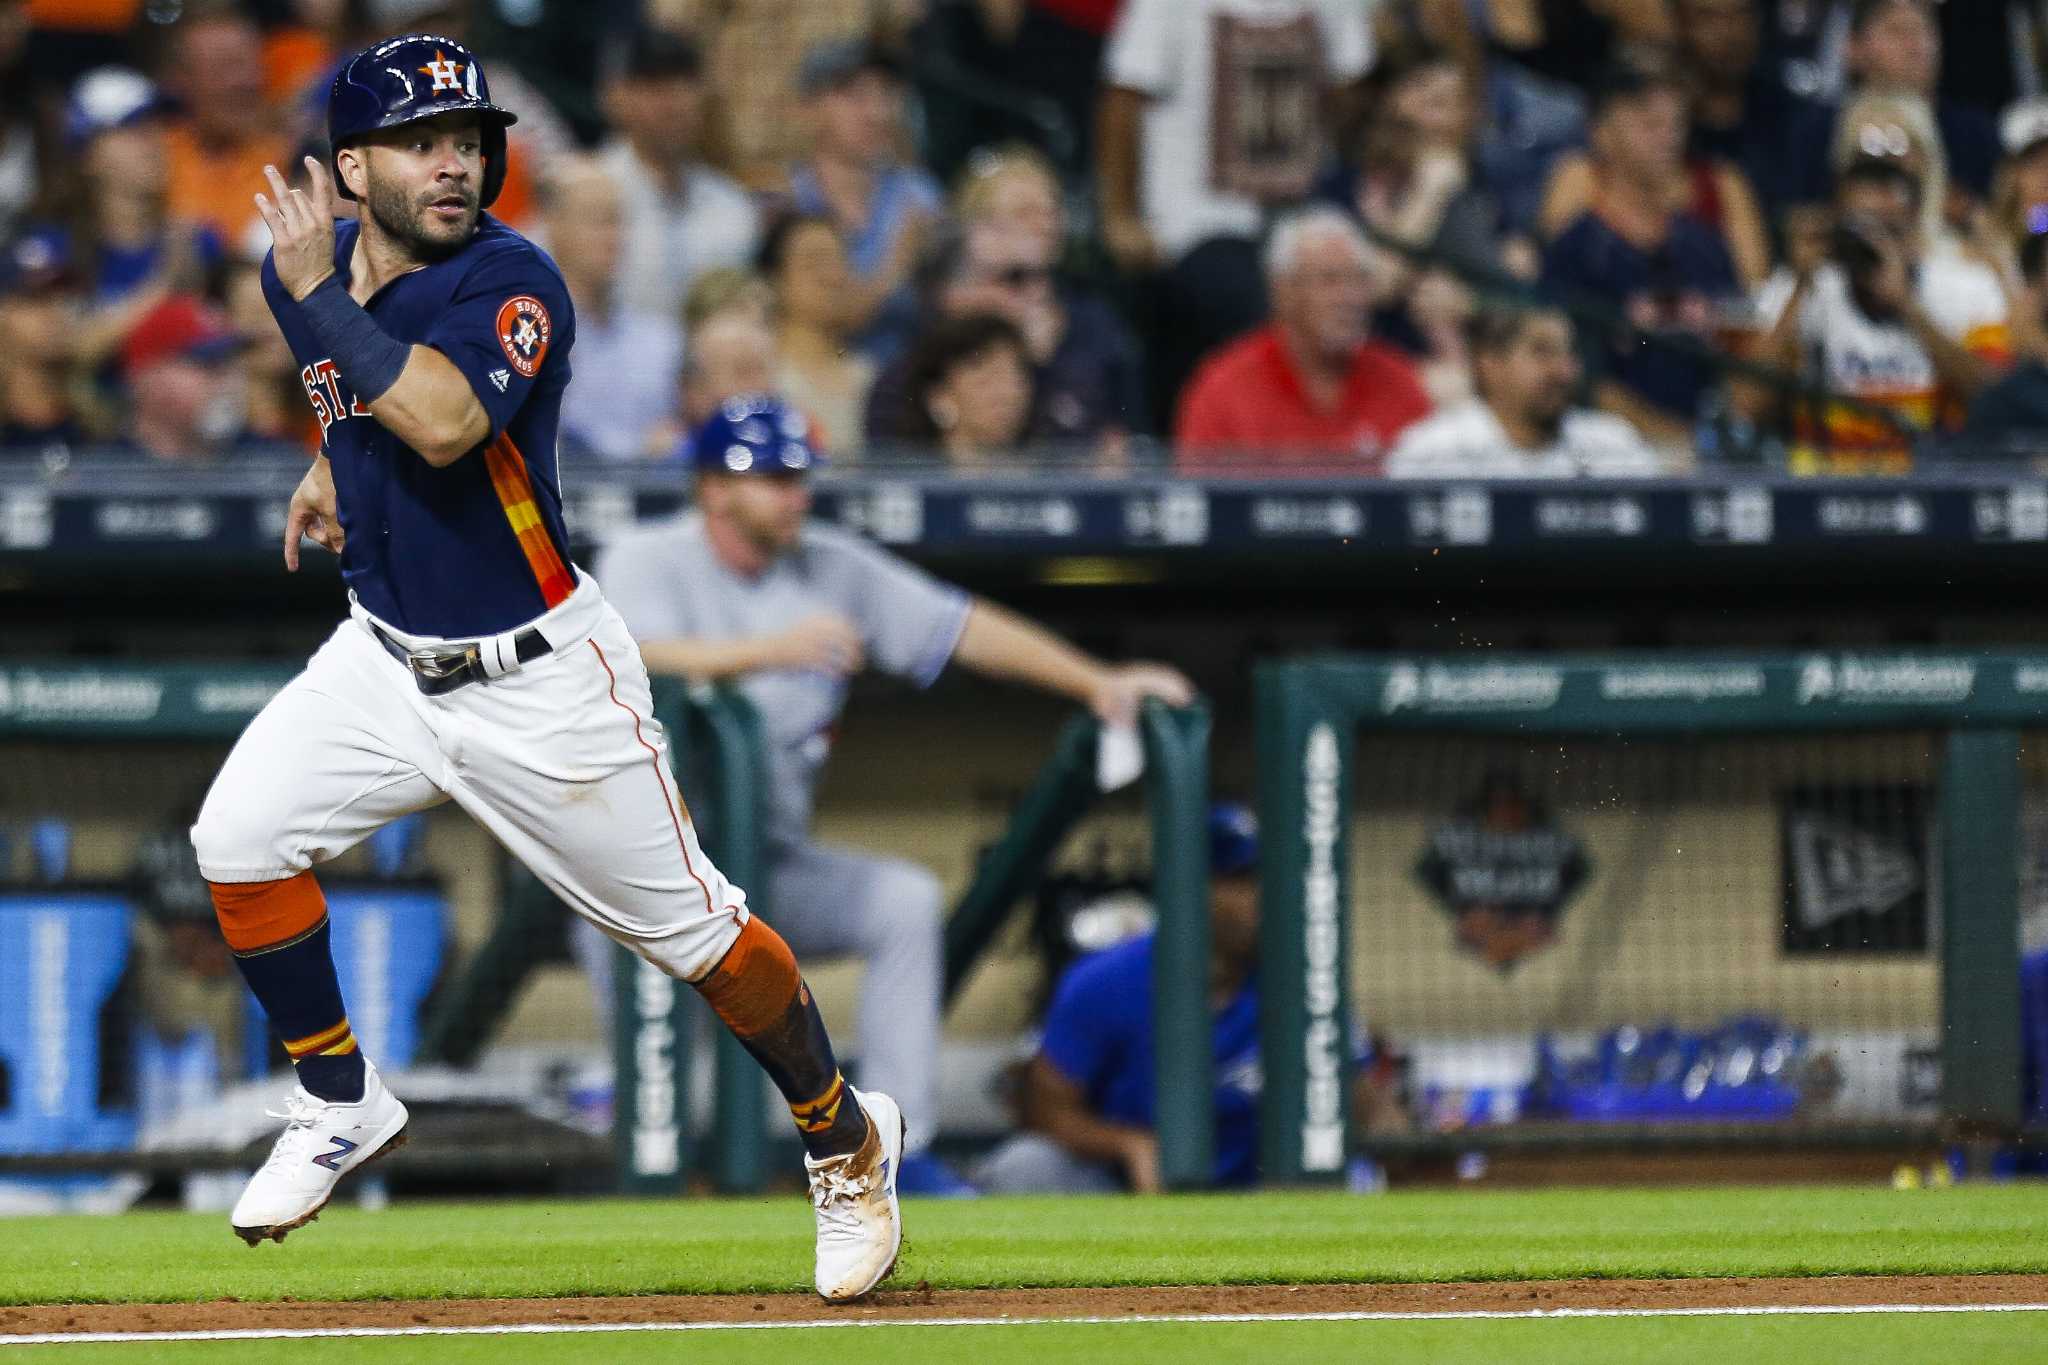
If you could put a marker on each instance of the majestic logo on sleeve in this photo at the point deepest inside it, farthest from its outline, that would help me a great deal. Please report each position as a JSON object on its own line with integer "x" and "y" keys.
{"x": 523, "y": 332}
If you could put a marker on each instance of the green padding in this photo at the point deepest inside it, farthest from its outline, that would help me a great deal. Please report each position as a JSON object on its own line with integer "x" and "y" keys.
{"x": 1980, "y": 985}
{"x": 1177, "y": 768}
{"x": 720, "y": 758}
{"x": 1060, "y": 795}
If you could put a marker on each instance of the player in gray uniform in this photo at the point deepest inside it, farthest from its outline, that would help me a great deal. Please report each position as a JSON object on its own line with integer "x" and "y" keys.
{"x": 744, "y": 587}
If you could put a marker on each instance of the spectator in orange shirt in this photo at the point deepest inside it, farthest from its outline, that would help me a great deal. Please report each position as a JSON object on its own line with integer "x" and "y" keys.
{"x": 1310, "y": 391}
{"x": 228, "y": 134}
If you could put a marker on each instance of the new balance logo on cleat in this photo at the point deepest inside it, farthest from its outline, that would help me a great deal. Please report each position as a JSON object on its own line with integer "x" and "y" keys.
{"x": 322, "y": 1142}
{"x": 342, "y": 1147}
{"x": 501, "y": 378}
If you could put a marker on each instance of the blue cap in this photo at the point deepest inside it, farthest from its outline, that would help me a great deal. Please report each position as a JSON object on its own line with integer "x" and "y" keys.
{"x": 35, "y": 262}
{"x": 106, "y": 98}
{"x": 1233, "y": 839}
{"x": 758, "y": 434}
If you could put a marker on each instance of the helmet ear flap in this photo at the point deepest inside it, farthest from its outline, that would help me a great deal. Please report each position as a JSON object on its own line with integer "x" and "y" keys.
{"x": 494, "y": 163}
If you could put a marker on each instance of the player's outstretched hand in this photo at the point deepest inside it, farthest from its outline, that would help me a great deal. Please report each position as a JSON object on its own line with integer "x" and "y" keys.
{"x": 312, "y": 513}
{"x": 824, "y": 643}
{"x": 1124, "y": 688}
{"x": 301, "y": 224}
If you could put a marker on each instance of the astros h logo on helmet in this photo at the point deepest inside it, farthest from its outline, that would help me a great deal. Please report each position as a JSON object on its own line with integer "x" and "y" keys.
{"x": 447, "y": 74}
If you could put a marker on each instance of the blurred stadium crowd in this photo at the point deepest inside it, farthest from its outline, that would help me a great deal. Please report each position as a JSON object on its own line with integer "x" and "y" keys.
{"x": 1375, "y": 237}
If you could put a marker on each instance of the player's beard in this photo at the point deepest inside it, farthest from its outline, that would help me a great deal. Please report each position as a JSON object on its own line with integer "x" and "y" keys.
{"x": 403, "y": 219}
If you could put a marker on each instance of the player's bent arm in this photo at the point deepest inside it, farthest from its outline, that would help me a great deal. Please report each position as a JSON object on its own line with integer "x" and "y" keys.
{"x": 712, "y": 660}
{"x": 432, "y": 409}
{"x": 1001, "y": 644}
{"x": 413, "y": 391}
{"x": 1055, "y": 1106}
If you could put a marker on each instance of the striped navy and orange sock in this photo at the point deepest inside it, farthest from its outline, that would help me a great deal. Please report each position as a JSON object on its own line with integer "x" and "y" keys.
{"x": 758, "y": 992}
{"x": 279, "y": 934}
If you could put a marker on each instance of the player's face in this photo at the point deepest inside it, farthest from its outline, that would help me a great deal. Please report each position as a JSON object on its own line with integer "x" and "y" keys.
{"x": 768, "y": 509}
{"x": 1234, "y": 916}
{"x": 423, "y": 183}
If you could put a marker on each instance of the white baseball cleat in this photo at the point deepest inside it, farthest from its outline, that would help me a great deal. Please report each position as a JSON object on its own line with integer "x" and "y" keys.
{"x": 322, "y": 1142}
{"x": 860, "y": 1227}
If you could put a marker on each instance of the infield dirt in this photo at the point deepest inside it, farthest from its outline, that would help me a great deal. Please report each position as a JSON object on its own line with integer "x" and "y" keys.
{"x": 918, "y": 1302}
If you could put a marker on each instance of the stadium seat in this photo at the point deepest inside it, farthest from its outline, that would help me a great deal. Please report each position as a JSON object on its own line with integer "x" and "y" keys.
{"x": 61, "y": 955}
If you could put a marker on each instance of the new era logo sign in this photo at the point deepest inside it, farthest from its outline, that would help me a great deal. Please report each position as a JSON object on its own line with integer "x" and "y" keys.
{"x": 501, "y": 378}
{"x": 332, "y": 1160}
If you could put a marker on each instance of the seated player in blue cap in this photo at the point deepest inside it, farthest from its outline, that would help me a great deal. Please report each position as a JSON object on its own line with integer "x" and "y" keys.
{"x": 1089, "y": 1093}
{"x": 746, "y": 587}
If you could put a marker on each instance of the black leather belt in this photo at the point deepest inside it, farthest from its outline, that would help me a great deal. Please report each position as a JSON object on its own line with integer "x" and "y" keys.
{"x": 443, "y": 670}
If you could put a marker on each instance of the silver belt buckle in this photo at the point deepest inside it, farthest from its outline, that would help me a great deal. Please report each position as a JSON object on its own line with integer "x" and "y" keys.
{"x": 437, "y": 666}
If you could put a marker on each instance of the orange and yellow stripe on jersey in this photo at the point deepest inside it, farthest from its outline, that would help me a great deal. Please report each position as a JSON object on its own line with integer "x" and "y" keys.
{"x": 515, "y": 492}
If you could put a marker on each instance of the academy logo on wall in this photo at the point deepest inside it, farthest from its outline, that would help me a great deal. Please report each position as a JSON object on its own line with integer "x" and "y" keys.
{"x": 1855, "y": 869}
{"x": 1503, "y": 871}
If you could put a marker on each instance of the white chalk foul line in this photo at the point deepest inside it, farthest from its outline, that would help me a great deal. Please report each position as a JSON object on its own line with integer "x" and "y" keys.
{"x": 586, "y": 1328}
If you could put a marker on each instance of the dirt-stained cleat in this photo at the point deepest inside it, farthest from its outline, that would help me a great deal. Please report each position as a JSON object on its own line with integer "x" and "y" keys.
{"x": 322, "y": 1142}
{"x": 860, "y": 1226}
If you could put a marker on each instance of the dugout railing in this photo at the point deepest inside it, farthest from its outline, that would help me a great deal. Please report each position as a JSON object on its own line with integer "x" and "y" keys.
{"x": 716, "y": 748}
{"x": 1715, "y": 752}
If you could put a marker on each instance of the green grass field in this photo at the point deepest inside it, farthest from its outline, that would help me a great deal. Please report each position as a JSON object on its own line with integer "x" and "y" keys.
{"x": 2008, "y": 1339}
{"x": 501, "y": 1250}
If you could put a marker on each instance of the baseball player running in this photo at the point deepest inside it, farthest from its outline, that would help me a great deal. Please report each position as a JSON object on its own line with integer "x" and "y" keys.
{"x": 477, "y": 664}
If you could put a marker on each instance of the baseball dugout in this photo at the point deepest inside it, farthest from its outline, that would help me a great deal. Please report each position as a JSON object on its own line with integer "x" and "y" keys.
{"x": 1630, "y": 901}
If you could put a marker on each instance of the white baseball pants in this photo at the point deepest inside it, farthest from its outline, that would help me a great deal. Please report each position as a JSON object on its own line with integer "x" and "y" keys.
{"x": 561, "y": 759}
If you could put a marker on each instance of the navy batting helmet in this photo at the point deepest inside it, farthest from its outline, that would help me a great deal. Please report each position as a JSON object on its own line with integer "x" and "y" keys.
{"x": 1233, "y": 839}
{"x": 403, "y": 80}
{"x": 759, "y": 434}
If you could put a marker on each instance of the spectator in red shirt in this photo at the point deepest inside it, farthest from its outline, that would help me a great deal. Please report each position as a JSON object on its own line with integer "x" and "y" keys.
{"x": 1311, "y": 391}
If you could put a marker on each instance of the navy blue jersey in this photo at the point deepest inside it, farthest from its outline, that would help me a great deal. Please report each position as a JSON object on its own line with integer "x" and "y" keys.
{"x": 477, "y": 547}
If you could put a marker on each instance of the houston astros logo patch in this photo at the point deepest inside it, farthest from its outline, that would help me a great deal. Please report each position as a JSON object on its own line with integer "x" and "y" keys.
{"x": 523, "y": 332}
